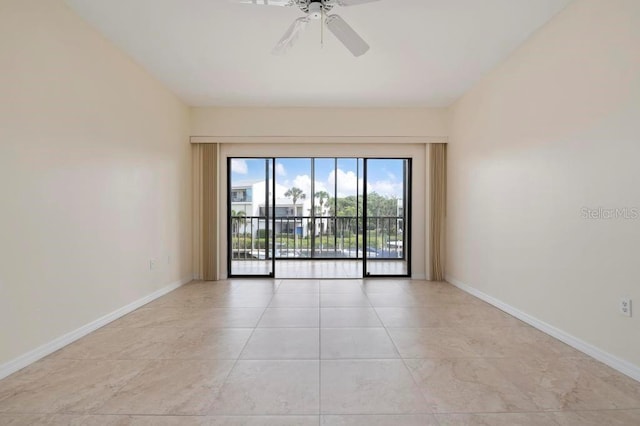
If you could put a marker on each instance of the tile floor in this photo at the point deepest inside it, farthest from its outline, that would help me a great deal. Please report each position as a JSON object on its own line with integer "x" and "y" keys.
{"x": 310, "y": 352}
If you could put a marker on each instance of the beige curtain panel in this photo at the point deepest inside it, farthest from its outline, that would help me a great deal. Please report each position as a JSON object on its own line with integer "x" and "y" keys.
{"x": 205, "y": 211}
{"x": 437, "y": 208}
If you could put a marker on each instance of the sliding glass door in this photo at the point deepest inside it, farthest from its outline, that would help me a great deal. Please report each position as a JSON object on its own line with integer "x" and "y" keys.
{"x": 386, "y": 217}
{"x": 250, "y": 228}
{"x": 318, "y": 217}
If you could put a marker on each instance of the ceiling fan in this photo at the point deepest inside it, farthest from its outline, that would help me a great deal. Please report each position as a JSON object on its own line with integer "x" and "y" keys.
{"x": 317, "y": 10}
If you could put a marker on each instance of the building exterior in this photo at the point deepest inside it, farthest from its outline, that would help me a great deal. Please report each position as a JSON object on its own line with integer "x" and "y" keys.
{"x": 248, "y": 206}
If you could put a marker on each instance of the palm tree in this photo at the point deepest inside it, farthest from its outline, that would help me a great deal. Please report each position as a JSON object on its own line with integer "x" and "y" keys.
{"x": 322, "y": 196}
{"x": 295, "y": 194}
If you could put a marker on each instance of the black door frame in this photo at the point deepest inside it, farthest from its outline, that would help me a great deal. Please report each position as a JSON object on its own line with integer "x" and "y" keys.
{"x": 407, "y": 218}
{"x": 270, "y": 241}
{"x": 270, "y": 220}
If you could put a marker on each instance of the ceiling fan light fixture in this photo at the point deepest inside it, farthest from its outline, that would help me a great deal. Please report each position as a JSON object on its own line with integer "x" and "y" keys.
{"x": 315, "y": 11}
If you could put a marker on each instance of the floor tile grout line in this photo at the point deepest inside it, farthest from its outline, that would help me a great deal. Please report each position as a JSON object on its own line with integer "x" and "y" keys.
{"x": 433, "y": 414}
{"x": 413, "y": 379}
{"x": 320, "y": 362}
{"x": 149, "y": 362}
{"x": 399, "y": 357}
{"x": 114, "y": 393}
{"x": 224, "y": 381}
{"x": 500, "y": 373}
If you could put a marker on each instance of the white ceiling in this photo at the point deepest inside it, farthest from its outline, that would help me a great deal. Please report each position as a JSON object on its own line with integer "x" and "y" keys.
{"x": 216, "y": 53}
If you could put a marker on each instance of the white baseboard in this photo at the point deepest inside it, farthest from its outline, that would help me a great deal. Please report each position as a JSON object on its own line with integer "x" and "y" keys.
{"x": 58, "y": 343}
{"x": 624, "y": 367}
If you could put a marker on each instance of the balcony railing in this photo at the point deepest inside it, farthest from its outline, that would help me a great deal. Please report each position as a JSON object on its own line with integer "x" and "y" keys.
{"x": 306, "y": 237}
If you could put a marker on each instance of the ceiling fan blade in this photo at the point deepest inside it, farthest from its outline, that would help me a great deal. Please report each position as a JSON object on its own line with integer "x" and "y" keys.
{"x": 291, "y": 36}
{"x": 353, "y": 2}
{"x": 266, "y": 2}
{"x": 347, "y": 35}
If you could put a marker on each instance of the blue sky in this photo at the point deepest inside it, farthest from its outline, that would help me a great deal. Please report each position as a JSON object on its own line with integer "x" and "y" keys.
{"x": 384, "y": 176}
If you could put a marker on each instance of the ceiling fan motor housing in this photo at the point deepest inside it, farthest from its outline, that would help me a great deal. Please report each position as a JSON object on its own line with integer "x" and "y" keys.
{"x": 314, "y": 8}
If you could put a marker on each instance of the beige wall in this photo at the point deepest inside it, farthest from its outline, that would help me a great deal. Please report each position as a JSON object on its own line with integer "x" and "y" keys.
{"x": 94, "y": 177}
{"x": 319, "y": 122}
{"x": 552, "y": 130}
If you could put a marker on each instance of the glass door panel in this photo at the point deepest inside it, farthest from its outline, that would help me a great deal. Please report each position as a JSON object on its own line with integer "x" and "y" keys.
{"x": 249, "y": 218}
{"x": 349, "y": 187}
{"x": 386, "y": 217}
{"x": 292, "y": 218}
{"x": 324, "y": 224}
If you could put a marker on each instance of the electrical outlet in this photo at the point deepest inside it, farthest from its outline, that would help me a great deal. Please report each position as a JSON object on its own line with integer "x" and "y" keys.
{"x": 625, "y": 306}
{"x": 152, "y": 264}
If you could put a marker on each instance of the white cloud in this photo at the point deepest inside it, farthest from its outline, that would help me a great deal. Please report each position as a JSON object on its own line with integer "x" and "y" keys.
{"x": 321, "y": 186}
{"x": 385, "y": 187}
{"x": 304, "y": 183}
{"x": 348, "y": 183}
{"x": 239, "y": 166}
{"x": 280, "y": 170}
